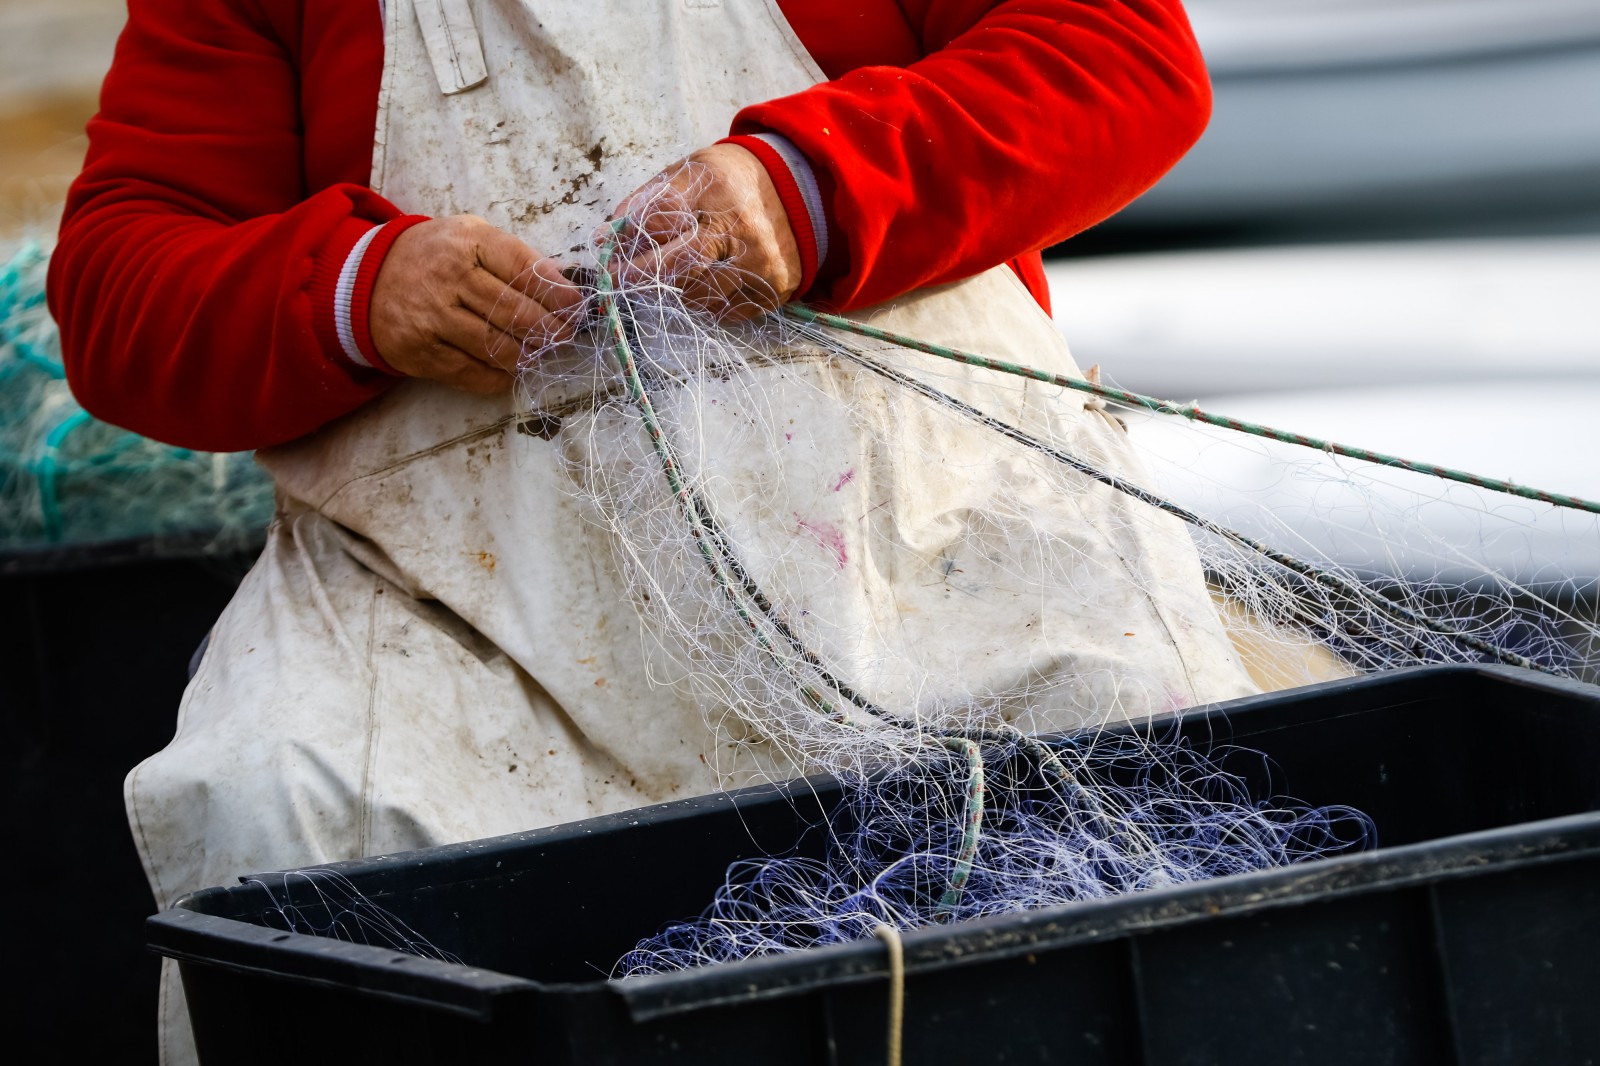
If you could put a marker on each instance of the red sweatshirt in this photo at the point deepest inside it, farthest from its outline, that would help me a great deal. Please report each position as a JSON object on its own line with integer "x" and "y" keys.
{"x": 225, "y": 184}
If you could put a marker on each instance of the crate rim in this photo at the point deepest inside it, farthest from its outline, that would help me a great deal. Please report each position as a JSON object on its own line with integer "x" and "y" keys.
{"x": 187, "y": 935}
{"x": 185, "y": 932}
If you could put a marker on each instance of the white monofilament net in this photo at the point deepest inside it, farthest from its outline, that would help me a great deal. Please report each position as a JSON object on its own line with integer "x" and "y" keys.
{"x": 943, "y": 583}
{"x": 965, "y": 592}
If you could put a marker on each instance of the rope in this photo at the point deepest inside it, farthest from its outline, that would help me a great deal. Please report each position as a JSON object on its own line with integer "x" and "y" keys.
{"x": 733, "y": 579}
{"x": 47, "y": 470}
{"x": 972, "y": 826}
{"x": 897, "y": 988}
{"x": 1190, "y": 411}
{"x": 1326, "y": 579}
{"x": 765, "y": 624}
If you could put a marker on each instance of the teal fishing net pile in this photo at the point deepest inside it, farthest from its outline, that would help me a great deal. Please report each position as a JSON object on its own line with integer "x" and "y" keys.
{"x": 68, "y": 480}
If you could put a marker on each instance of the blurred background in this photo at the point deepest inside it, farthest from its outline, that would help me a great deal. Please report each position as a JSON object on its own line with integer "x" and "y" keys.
{"x": 52, "y": 57}
{"x": 1389, "y": 235}
{"x": 111, "y": 571}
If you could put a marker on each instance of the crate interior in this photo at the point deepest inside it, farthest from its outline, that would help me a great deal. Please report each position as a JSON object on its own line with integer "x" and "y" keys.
{"x": 1427, "y": 755}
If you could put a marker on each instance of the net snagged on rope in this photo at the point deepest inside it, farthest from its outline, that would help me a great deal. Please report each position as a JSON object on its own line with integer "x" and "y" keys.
{"x": 967, "y": 793}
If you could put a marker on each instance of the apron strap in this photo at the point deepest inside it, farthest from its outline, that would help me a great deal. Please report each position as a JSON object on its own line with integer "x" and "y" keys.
{"x": 451, "y": 36}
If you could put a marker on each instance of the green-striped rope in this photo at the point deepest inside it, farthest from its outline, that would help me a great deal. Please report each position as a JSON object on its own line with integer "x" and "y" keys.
{"x": 801, "y": 313}
{"x": 737, "y": 586}
{"x": 742, "y": 592}
{"x": 694, "y": 514}
{"x": 971, "y": 826}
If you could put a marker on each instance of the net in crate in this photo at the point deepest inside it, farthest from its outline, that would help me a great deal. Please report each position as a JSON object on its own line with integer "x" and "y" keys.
{"x": 1466, "y": 936}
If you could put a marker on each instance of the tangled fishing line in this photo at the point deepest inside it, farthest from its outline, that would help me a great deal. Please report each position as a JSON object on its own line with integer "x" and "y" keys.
{"x": 949, "y": 580}
{"x": 967, "y": 712}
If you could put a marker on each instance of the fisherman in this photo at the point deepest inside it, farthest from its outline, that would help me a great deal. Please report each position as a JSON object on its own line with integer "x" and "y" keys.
{"x": 432, "y": 646}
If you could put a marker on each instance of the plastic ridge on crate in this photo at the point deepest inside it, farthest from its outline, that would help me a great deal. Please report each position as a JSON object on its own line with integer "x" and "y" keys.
{"x": 1470, "y": 935}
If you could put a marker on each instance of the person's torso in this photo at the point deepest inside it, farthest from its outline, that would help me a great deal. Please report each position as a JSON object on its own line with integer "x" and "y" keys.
{"x": 530, "y": 117}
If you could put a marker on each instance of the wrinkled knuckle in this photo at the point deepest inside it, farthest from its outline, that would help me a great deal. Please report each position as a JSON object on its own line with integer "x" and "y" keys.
{"x": 764, "y": 252}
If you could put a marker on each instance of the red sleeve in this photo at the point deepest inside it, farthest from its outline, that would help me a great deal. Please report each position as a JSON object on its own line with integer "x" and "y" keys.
{"x": 1026, "y": 121}
{"x": 194, "y": 276}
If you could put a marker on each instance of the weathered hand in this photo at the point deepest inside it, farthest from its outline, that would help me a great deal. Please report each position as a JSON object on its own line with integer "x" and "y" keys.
{"x": 713, "y": 226}
{"x": 456, "y": 301}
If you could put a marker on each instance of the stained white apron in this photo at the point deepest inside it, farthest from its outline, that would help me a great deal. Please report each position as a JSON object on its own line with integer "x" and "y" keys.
{"x": 438, "y": 644}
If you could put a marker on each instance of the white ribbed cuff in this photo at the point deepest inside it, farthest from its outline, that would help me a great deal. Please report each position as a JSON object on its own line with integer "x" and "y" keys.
{"x": 805, "y": 180}
{"x": 342, "y": 294}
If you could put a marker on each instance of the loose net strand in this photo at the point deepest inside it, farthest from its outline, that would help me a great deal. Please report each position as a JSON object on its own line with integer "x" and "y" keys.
{"x": 1329, "y": 579}
{"x": 321, "y": 902}
{"x": 1190, "y": 411}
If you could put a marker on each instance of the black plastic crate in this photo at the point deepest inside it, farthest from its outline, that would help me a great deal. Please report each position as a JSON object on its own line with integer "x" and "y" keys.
{"x": 1471, "y": 935}
{"x": 94, "y": 645}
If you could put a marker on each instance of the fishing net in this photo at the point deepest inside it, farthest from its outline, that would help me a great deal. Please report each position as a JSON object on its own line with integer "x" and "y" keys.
{"x": 960, "y": 584}
{"x": 68, "y": 480}
{"x": 326, "y": 903}
{"x": 974, "y": 584}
